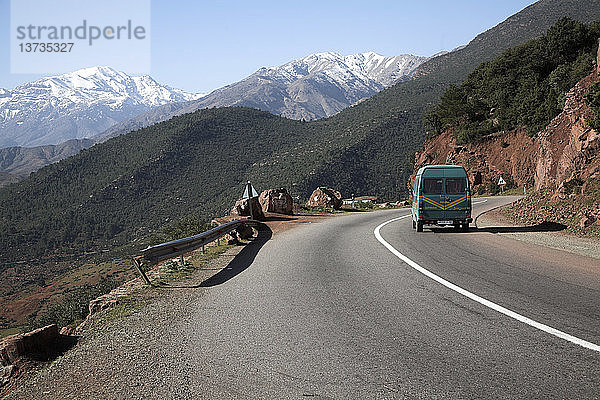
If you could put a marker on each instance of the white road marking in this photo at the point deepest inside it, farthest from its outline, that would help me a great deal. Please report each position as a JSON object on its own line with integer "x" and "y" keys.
{"x": 478, "y": 299}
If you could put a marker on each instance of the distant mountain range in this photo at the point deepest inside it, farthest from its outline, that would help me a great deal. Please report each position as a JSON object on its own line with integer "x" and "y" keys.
{"x": 85, "y": 103}
{"x": 78, "y": 105}
{"x": 100, "y": 102}
{"x": 315, "y": 86}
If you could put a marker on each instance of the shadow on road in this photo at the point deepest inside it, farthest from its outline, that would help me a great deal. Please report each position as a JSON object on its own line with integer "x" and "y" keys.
{"x": 239, "y": 263}
{"x": 545, "y": 226}
{"x": 272, "y": 217}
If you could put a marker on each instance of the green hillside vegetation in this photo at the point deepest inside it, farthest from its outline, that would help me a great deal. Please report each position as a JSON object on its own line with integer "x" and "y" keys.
{"x": 593, "y": 100}
{"x": 523, "y": 88}
{"x": 127, "y": 190}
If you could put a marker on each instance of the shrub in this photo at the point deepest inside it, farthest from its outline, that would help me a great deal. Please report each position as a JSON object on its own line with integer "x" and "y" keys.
{"x": 493, "y": 188}
{"x": 593, "y": 100}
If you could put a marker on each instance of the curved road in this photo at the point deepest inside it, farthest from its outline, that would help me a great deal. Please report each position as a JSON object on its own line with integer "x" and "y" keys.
{"x": 325, "y": 310}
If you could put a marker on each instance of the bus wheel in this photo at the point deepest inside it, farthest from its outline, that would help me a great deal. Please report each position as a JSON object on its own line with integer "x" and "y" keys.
{"x": 465, "y": 227}
{"x": 419, "y": 227}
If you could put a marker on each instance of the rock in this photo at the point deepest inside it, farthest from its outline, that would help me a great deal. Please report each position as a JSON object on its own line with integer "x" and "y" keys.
{"x": 39, "y": 341}
{"x": 102, "y": 303}
{"x": 231, "y": 238}
{"x": 276, "y": 201}
{"x": 241, "y": 209}
{"x": 325, "y": 197}
{"x": 244, "y": 232}
{"x": 68, "y": 330}
{"x": 11, "y": 348}
{"x": 240, "y": 233}
{"x": 5, "y": 374}
{"x": 586, "y": 221}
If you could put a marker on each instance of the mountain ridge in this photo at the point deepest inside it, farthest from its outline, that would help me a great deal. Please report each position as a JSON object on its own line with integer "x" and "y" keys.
{"x": 77, "y": 105}
{"x": 294, "y": 89}
{"x": 328, "y": 82}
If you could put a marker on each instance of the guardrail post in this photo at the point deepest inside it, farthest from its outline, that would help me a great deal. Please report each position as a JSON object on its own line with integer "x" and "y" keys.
{"x": 142, "y": 273}
{"x": 249, "y": 188}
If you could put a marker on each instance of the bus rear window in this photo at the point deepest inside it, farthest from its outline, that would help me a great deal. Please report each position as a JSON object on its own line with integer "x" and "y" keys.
{"x": 432, "y": 185}
{"x": 456, "y": 185}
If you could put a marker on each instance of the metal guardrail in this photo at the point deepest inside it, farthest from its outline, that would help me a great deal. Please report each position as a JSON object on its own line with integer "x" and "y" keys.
{"x": 179, "y": 247}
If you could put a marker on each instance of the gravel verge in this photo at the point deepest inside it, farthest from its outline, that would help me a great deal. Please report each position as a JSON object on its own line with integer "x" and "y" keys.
{"x": 495, "y": 218}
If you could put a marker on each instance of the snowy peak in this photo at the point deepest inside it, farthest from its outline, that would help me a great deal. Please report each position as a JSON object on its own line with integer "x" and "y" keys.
{"x": 369, "y": 67}
{"x": 97, "y": 84}
{"x": 316, "y": 86}
{"x": 78, "y": 104}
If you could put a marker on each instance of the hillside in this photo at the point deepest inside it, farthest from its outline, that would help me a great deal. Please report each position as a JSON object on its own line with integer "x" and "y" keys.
{"x": 560, "y": 162}
{"x": 315, "y": 86}
{"x": 195, "y": 163}
{"x": 523, "y": 88}
{"x": 16, "y": 163}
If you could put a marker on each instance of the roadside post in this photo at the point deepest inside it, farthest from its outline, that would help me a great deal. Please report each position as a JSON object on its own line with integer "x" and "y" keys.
{"x": 250, "y": 193}
{"x": 501, "y": 183}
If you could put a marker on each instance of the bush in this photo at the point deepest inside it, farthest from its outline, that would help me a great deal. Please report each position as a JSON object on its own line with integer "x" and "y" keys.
{"x": 185, "y": 227}
{"x": 493, "y": 188}
{"x": 593, "y": 100}
{"x": 364, "y": 205}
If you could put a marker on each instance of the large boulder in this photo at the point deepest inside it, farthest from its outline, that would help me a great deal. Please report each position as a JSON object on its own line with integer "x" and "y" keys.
{"x": 325, "y": 197}
{"x": 240, "y": 233}
{"x": 39, "y": 341}
{"x": 276, "y": 201}
{"x": 241, "y": 209}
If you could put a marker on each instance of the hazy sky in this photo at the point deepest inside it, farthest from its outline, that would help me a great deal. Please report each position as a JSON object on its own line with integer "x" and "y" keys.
{"x": 202, "y": 45}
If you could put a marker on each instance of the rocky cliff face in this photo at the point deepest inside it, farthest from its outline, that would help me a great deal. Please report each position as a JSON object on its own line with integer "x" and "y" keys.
{"x": 560, "y": 157}
{"x": 567, "y": 150}
{"x": 508, "y": 155}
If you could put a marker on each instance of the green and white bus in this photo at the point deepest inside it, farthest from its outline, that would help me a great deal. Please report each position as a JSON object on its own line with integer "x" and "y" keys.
{"x": 441, "y": 196}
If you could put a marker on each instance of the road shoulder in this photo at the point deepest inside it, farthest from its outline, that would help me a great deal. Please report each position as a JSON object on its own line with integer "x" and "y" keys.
{"x": 496, "y": 221}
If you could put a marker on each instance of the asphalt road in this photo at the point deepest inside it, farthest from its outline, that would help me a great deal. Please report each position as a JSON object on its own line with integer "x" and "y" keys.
{"x": 325, "y": 310}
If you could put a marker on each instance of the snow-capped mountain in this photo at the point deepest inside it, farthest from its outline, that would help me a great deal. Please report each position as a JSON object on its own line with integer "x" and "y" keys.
{"x": 79, "y": 104}
{"x": 101, "y": 103}
{"x": 315, "y": 86}
{"x": 366, "y": 67}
